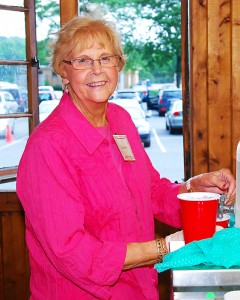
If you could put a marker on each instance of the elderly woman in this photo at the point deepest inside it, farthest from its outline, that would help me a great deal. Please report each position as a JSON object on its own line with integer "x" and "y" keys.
{"x": 88, "y": 188}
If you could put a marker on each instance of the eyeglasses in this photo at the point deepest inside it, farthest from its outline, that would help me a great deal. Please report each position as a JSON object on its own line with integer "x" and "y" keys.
{"x": 87, "y": 63}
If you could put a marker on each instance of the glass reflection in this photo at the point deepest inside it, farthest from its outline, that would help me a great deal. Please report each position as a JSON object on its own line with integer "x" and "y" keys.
{"x": 12, "y": 2}
{"x": 12, "y": 35}
{"x": 13, "y": 81}
{"x": 13, "y": 137}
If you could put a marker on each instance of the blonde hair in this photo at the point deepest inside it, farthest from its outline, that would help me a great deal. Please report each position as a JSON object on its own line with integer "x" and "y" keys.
{"x": 76, "y": 36}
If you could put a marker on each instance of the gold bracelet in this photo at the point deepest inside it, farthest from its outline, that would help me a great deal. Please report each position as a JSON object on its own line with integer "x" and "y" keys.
{"x": 161, "y": 249}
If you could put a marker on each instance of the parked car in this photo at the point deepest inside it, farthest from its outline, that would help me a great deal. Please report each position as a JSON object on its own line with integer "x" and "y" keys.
{"x": 127, "y": 94}
{"x": 58, "y": 94}
{"x": 139, "y": 118}
{"x": 23, "y": 103}
{"x": 153, "y": 100}
{"x": 174, "y": 117}
{"x": 144, "y": 95}
{"x": 46, "y": 88}
{"x": 3, "y": 123}
{"x": 8, "y": 102}
{"x": 165, "y": 98}
{"x": 142, "y": 91}
{"x": 46, "y": 107}
{"x": 46, "y": 95}
{"x": 18, "y": 93}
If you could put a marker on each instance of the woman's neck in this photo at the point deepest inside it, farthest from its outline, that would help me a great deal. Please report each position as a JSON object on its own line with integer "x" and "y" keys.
{"x": 95, "y": 115}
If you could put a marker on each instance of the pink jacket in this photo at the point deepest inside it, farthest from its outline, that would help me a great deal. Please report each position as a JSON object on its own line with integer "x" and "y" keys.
{"x": 81, "y": 209}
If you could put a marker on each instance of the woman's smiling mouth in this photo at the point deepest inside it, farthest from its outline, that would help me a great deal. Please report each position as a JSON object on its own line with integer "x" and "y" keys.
{"x": 94, "y": 84}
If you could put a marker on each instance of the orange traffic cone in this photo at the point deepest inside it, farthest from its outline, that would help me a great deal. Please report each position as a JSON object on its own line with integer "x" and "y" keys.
{"x": 9, "y": 136}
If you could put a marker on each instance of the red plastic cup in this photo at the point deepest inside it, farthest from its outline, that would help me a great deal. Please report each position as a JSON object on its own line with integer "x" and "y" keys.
{"x": 198, "y": 211}
{"x": 224, "y": 221}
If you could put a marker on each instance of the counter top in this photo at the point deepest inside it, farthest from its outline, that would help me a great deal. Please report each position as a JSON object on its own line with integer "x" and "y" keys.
{"x": 205, "y": 276}
{"x": 196, "y": 281}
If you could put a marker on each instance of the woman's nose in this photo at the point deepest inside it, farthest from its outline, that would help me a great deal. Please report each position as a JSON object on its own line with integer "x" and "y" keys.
{"x": 96, "y": 66}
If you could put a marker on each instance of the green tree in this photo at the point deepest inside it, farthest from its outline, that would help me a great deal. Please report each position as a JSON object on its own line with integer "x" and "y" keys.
{"x": 12, "y": 48}
{"x": 160, "y": 51}
{"x": 156, "y": 53}
{"x": 51, "y": 12}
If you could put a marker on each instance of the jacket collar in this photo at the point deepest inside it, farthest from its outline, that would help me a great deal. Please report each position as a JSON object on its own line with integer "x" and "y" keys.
{"x": 87, "y": 134}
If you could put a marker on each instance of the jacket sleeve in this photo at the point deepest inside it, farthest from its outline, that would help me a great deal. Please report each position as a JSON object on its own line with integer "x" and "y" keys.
{"x": 48, "y": 188}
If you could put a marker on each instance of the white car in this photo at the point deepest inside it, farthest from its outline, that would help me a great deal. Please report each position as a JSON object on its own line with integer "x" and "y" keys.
{"x": 174, "y": 116}
{"x": 3, "y": 123}
{"x": 46, "y": 88}
{"x": 46, "y": 107}
{"x": 9, "y": 103}
{"x": 58, "y": 94}
{"x": 127, "y": 94}
{"x": 139, "y": 118}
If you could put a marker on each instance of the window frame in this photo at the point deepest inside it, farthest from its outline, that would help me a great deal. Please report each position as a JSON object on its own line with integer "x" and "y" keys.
{"x": 31, "y": 62}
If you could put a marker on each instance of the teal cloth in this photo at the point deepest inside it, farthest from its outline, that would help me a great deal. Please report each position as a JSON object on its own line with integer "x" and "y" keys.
{"x": 223, "y": 249}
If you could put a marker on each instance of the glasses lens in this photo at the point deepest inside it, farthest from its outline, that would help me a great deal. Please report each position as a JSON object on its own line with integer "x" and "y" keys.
{"x": 82, "y": 63}
{"x": 109, "y": 61}
{"x": 86, "y": 63}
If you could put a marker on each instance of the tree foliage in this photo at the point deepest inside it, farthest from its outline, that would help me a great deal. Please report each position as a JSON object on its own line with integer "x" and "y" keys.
{"x": 12, "y": 48}
{"x": 153, "y": 49}
{"x": 150, "y": 29}
{"x": 49, "y": 11}
{"x": 158, "y": 50}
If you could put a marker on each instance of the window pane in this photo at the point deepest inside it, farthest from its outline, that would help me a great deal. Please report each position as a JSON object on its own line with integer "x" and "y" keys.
{"x": 13, "y": 79}
{"x": 13, "y": 137}
{"x": 12, "y": 35}
{"x": 12, "y": 2}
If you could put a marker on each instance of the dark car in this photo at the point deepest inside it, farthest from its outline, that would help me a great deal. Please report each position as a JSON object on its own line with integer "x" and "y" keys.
{"x": 153, "y": 100}
{"x": 165, "y": 98}
{"x": 143, "y": 95}
{"x": 142, "y": 91}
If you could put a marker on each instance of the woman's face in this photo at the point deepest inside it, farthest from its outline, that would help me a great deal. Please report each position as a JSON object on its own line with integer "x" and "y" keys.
{"x": 96, "y": 84}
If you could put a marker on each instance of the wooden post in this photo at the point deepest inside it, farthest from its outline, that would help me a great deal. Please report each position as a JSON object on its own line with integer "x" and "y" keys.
{"x": 212, "y": 109}
{"x": 235, "y": 80}
{"x": 68, "y": 10}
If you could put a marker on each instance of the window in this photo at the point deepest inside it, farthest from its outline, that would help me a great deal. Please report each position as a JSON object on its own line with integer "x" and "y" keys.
{"x": 18, "y": 81}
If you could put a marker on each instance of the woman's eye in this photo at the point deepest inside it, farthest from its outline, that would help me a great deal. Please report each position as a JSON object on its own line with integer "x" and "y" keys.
{"x": 82, "y": 60}
{"x": 105, "y": 58}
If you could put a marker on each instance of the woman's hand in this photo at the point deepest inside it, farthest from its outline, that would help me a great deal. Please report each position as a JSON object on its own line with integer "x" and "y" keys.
{"x": 177, "y": 236}
{"x": 220, "y": 182}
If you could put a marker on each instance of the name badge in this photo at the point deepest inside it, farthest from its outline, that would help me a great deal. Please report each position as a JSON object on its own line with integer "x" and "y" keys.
{"x": 124, "y": 147}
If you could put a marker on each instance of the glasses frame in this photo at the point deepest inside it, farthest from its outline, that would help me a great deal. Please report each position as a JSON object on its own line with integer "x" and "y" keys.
{"x": 70, "y": 62}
